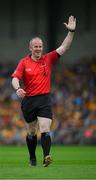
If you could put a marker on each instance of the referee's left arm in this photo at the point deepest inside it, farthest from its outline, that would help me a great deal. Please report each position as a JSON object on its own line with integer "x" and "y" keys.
{"x": 69, "y": 38}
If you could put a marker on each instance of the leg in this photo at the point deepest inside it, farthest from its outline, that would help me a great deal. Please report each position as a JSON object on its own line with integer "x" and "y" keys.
{"x": 31, "y": 140}
{"x": 44, "y": 125}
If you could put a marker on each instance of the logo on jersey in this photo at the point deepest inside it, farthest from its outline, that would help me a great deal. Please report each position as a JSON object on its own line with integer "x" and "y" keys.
{"x": 28, "y": 69}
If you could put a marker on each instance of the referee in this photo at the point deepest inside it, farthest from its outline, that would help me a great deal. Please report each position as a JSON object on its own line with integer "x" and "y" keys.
{"x": 35, "y": 71}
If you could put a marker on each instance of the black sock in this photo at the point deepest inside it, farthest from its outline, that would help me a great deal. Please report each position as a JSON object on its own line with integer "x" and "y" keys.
{"x": 31, "y": 144}
{"x": 46, "y": 143}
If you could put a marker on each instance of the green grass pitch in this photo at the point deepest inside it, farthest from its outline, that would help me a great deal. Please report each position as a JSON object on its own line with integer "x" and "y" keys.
{"x": 69, "y": 162}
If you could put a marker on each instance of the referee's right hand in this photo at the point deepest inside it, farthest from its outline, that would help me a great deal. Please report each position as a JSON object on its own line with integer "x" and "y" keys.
{"x": 20, "y": 93}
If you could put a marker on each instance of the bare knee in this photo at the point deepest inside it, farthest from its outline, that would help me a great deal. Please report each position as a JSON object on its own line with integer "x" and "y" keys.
{"x": 44, "y": 124}
{"x": 32, "y": 128}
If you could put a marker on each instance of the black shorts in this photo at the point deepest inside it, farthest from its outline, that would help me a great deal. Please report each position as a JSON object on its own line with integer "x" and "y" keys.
{"x": 33, "y": 106}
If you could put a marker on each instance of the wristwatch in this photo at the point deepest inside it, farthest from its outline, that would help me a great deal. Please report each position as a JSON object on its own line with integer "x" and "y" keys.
{"x": 71, "y": 30}
{"x": 17, "y": 88}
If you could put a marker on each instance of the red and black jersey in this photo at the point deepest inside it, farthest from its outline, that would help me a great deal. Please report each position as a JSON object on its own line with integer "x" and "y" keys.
{"x": 36, "y": 74}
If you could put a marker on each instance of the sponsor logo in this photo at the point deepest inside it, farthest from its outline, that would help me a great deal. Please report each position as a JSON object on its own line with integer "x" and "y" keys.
{"x": 28, "y": 69}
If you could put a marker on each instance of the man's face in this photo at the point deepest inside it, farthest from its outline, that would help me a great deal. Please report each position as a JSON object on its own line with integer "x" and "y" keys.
{"x": 36, "y": 48}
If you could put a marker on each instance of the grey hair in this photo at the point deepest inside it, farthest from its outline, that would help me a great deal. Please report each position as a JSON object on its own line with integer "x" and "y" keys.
{"x": 30, "y": 42}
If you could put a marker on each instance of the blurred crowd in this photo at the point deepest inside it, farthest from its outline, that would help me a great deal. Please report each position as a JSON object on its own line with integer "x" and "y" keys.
{"x": 73, "y": 94}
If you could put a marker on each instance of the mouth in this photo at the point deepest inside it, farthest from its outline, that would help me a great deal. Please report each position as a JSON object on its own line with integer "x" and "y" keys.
{"x": 38, "y": 52}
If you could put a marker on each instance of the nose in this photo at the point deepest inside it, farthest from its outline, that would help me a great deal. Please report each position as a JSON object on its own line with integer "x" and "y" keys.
{"x": 38, "y": 48}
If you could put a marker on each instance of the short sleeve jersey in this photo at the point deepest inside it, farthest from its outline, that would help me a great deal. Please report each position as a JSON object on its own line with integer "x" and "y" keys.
{"x": 36, "y": 74}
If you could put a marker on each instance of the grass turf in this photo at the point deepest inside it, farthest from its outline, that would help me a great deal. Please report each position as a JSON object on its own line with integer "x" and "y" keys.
{"x": 69, "y": 162}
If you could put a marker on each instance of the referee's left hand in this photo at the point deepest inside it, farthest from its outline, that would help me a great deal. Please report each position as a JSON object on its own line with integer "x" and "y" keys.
{"x": 71, "y": 25}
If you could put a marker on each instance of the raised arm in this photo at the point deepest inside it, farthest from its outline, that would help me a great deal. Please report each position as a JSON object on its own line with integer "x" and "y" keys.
{"x": 71, "y": 26}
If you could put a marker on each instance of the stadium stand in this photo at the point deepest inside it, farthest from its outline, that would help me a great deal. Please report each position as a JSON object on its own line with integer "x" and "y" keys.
{"x": 73, "y": 96}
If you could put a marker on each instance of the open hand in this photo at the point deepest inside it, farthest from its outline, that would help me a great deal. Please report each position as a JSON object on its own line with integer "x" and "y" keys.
{"x": 71, "y": 25}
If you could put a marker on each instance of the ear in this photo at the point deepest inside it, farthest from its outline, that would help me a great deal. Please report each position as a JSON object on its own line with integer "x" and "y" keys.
{"x": 30, "y": 48}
